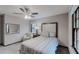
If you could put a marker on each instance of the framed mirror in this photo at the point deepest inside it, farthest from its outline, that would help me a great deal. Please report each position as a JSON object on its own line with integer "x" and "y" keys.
{"x": 12, "y": 28}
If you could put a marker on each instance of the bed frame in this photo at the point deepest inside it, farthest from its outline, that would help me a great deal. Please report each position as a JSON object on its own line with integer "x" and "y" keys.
{"x": 51, "y": 23}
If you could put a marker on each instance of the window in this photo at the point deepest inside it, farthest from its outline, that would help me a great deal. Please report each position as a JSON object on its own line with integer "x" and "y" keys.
{"x": 36, "y": 28}
{"x": 33, "y": 28}
{"x": 75, "y": 30}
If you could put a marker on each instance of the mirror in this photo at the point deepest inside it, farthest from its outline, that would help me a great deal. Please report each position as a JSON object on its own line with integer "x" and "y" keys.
{"x": 12, "y": 28}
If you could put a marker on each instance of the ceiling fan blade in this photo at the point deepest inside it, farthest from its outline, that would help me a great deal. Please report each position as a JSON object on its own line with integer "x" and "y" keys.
{"x": 17, "y": 13}
{"x": 26, "y": 9}
{"x": 22, "y": 9}
{"x": 34, "y": 13}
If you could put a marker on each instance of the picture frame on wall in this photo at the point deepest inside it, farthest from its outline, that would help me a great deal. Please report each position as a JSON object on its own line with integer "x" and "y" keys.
{"x": 12, "y": 28}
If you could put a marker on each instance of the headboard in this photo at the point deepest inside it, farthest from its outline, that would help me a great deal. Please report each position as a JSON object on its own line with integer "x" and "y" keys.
{"x": 50, "y": 27}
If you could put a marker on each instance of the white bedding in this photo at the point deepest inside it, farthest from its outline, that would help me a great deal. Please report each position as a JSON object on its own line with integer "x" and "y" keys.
{"x": 41, "y": 44}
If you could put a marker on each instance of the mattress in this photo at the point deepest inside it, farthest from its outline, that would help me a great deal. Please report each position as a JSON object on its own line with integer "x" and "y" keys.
{"x": 39, "y": 45}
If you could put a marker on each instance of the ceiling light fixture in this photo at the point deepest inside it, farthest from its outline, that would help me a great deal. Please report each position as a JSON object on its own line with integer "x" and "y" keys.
{"x": 27, "y": 17}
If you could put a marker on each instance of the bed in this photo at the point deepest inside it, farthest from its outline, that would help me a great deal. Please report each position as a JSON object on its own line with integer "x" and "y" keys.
{"x": 46, "y": 43}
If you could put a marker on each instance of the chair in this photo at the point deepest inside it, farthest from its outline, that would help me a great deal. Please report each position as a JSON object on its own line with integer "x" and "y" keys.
{"x": 27, "y": 36}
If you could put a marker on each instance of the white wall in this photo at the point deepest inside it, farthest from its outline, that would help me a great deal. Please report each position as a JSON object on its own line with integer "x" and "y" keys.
{"x": 70, "y": 29}
{"x": 24, "y": 28}
{"x": 62, "y": 26}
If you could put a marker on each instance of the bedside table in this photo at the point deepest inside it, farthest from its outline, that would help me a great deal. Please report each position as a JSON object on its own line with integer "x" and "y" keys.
{"x": 35, "y": 36}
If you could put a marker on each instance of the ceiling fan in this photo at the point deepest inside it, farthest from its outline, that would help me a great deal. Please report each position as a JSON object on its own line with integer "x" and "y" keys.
{"x": 27, "y": 12}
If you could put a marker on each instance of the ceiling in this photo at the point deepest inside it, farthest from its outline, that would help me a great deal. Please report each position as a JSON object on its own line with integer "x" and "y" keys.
{"x": 43, "y": 10}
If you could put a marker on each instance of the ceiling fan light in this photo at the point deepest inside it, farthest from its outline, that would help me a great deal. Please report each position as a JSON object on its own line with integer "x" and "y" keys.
{"x": 27, "y": 17}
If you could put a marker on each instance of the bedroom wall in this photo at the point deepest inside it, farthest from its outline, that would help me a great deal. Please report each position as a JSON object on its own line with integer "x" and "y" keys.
{"x": 24, "y": 28}
{"x": 62, "y": 26}
{"x": 70, "y": 29}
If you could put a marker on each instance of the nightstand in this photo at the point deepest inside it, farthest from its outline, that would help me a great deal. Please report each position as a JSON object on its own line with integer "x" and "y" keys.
{"x": 35, "y": 36}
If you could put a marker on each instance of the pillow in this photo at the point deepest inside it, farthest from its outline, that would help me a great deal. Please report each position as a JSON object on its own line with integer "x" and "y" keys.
{"x": 51, "y": 34}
